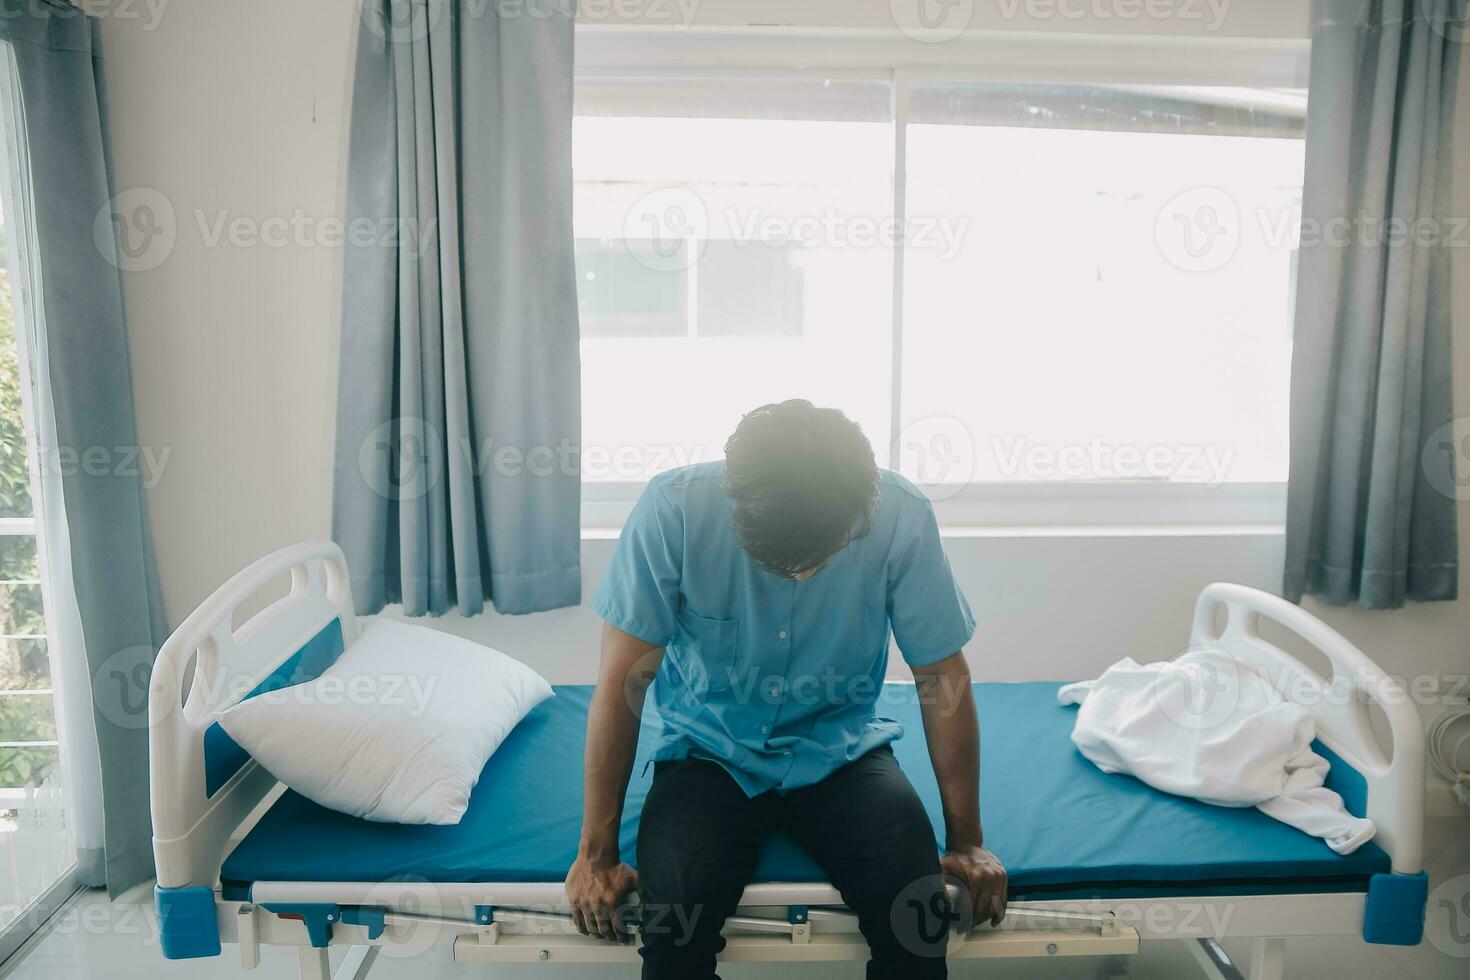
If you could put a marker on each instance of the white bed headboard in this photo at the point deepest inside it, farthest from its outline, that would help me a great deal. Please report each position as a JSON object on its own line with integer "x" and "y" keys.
{"x": 1339, "y": 704}
{"x": 191, "y": 828}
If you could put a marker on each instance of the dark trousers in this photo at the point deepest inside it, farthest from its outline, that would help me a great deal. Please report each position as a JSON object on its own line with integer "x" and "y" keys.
{"x": 864, "y": 824}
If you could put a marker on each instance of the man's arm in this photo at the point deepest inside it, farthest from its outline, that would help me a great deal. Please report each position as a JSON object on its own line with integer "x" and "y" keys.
{"x": 952, "y": 732}
{"x": 599, "y": 881}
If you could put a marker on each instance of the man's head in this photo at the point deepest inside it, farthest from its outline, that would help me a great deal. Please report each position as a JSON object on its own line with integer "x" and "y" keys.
{"x": 804, "y": 483}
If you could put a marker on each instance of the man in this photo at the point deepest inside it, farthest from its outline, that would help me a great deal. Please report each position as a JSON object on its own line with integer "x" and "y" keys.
{"x": 761, "y": 590}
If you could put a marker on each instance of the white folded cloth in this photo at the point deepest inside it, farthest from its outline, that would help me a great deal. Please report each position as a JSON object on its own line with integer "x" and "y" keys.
{"x": 1212, "y": 727}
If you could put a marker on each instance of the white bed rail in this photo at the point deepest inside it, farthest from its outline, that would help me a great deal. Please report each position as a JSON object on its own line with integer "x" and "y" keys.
{"x": 221, "y": 663}
{"x": 1339, "y": 704}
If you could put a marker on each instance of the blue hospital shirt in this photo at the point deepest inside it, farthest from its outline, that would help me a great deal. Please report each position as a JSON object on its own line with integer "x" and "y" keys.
{"x": 779, "y": 681}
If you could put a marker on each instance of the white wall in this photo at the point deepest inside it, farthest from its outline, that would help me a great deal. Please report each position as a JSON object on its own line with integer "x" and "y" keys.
{"x": 227, "y": 105}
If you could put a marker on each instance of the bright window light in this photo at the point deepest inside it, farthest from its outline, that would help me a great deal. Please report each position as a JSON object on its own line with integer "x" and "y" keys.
{"x": 1116, "y": 303}
{"x": 1096, "y": 280}
{"x": 725, "y": 261}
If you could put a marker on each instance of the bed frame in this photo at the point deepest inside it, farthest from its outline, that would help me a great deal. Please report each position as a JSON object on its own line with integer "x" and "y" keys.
{"x": 209, "y": 663}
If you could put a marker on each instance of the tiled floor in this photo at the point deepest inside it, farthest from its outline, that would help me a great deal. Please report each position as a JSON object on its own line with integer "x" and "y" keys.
{"x": 97, "y": 940}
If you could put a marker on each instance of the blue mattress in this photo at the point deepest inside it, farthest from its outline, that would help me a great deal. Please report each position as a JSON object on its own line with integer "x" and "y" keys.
{"x": 1063, "y": 828}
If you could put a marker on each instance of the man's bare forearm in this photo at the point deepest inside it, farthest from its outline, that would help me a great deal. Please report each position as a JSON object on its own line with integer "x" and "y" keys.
{"x": 628, "y": 665}
{"x": 952, "y": 731}
{"x": 612, "y": 742}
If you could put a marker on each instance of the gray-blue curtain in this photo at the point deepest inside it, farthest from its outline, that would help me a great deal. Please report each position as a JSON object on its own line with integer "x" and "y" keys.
{"x": 1372, "y": 496}
{"x": 59, "y": 62}
{"x": 458, "y": 420}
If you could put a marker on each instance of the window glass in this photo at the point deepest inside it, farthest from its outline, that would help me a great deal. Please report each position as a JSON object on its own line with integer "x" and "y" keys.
{"x": 731, "y": 252}
{"x": 1116, "y": 301}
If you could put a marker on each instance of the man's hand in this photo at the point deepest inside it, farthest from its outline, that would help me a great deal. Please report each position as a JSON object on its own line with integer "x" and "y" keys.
{"x": 596, "y": 889}
{"x": 984, "y": 878}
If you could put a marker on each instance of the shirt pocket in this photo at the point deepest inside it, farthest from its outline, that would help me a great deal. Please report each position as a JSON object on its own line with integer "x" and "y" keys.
{"x": 708, "y": 651}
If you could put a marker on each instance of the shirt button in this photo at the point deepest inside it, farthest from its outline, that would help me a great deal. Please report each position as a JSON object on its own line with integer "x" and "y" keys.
{"x": 765, "y": 729}
{"x": 782, "y": 634}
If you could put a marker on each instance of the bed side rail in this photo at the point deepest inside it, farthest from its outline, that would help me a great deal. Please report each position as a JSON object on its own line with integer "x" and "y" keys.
{"x": 221, "y": 663}
{"x": 1339, "y": 704}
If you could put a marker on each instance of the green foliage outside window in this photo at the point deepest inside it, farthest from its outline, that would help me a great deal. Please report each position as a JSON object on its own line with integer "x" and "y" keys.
{"x": 23, "y": 663}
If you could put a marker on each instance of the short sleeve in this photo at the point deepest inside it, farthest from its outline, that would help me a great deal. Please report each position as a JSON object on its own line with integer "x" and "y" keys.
{"x": 930, "y": 618}
{"x": 640, "y": 592}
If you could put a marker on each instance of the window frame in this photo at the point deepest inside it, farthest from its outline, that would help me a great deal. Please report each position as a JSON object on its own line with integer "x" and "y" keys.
{"x": 20, "y": 227}
{"x": 613, "y": 53}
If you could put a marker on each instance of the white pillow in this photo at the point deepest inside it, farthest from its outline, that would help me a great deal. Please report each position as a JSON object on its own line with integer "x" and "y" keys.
{"x": 396, "y": 730}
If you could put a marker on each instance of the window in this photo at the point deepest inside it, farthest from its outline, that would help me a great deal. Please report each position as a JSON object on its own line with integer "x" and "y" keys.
{"x": 1115, "y": 302}
{"x": 37, "y": 853}
{"x": 714, "y": 270}
{"x": 1080, "y": 288}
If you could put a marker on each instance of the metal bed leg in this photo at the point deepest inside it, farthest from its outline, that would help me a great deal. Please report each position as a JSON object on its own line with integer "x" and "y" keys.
{"x": 356, "y": 964}
{"x": 1213, "y": 961}
{"x": 312, "y": 963}
{"x": 1268, "y": 959}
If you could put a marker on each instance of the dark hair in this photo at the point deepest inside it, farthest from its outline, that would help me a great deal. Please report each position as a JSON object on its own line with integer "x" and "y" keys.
{"x": 804, "y": 483}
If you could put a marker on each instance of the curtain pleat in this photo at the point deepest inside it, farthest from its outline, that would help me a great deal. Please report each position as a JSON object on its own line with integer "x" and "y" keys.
{"x": 1371, "y": 503}
{"x": 459, "y": 377}
{"x": 86, "y": 381}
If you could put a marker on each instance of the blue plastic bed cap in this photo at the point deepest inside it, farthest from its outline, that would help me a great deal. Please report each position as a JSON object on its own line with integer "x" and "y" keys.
{"x": 187, "y": 926}
{"x": 1394, "y": 915}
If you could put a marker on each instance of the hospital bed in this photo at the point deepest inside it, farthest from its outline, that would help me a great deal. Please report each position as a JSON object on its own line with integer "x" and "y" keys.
{"x": 1098, "y": 864}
